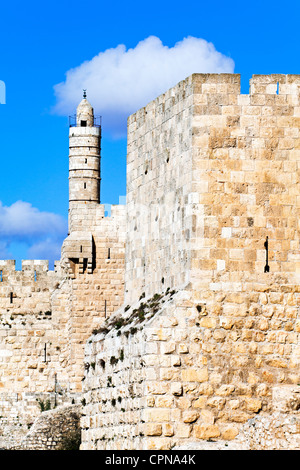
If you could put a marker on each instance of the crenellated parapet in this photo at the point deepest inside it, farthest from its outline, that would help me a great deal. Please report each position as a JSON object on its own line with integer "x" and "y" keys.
{"x": 8, "y": 268}
{"x": 27, "y": 290}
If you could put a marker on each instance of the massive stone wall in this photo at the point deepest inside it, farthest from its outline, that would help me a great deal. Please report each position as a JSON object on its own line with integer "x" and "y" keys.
{"x": 170, "y": 372}
{"x": 211, "y": 174}
{"x": 246, "y": 175}
{"x": 159, "y": 184}
{"x": 213, "y": 202}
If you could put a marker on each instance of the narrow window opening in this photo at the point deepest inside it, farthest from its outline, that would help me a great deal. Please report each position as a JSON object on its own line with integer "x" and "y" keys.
{"x": 34, "y": 276}
{"x": 83, "y": 123}
{"x": 266, "y": 244}
{"x": 1, "y": 278}
{"x": 277, "y": 89}
{"x": 85, "y": 160}
{"x": 84, "y": 185}
{"x": 85, "y": 264}
{"x": 108, "y": 254}
{"x": 80, "y": 248}
{"x": 105, "y": 308}
{"x": 11, "y": 295}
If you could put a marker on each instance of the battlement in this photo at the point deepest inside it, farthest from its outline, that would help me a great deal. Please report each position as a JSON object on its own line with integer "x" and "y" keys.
{"x": 218, "y": 85}
{"x": 230, "y": 83}
{"x": 275, "y": 84}
{"x": 27, "y": 290}
{"x": 29, "y": 268}
{"x": 90, "y": 217}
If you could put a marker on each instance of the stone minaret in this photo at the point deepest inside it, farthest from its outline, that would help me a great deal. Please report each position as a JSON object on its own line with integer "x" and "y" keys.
{"x": 84, "y": 157}
{"x": 84, "y": 189}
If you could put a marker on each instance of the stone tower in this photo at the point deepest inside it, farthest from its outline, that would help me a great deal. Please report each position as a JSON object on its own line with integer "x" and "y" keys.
{"x": 93, "y": 240}
{"x": 84, "y": 157}
{"x": 84, "y": 186}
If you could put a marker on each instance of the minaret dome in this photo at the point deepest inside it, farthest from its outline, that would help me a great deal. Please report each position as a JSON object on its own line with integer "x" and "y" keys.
{"x": 85, "y": 113}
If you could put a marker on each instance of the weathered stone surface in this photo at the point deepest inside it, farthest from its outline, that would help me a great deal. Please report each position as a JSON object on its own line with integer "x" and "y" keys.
{"x": 211, "y": 174}
{"x": 198, "y": 278}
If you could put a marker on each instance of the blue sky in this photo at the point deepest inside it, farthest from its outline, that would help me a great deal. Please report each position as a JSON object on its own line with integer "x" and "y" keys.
{"x": 78, "y": 45}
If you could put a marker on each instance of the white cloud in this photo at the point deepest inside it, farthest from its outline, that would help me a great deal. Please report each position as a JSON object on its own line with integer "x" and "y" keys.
{"x": 46, "y": 249}
{"x": 23, "y": 222}
{"x": 23, "y": 225}
{"x": 120, "y": 81}
{"x": 4, "y": 253}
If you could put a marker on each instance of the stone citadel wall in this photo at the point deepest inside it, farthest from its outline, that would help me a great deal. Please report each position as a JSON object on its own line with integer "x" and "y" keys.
{"x": 46, "y": 318}
{"x": 191, "y": 292}
{"x": 169, "y": 372}
{"x": 159, "y": 178}
{"x": 211, "y": 174}
{"x": 213, "y": 203}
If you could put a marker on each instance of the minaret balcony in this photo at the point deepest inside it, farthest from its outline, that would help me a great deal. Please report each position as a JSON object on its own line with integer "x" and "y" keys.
{"x": 73, "y": 122}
